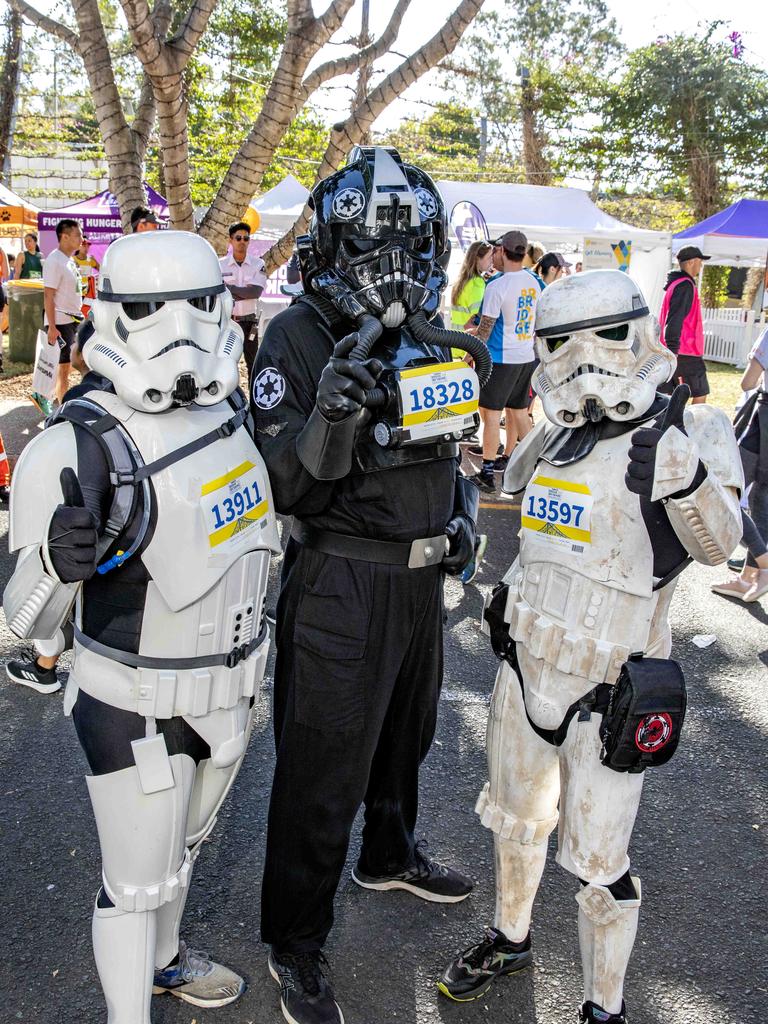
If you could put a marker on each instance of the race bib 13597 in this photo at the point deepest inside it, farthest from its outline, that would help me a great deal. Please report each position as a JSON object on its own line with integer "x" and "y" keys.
{"x": 558, "y": 511}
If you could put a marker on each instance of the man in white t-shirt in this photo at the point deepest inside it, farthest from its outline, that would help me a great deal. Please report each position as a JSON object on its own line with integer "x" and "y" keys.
{"x": 506, "y": 325}
{"x": 63, "y": 298}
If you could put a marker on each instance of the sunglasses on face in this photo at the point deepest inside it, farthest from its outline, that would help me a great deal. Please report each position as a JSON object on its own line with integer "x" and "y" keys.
{"x": 241, "y": 238}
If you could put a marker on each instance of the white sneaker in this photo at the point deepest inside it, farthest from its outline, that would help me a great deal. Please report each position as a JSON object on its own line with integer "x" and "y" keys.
{"x": 759, "y": 586}
{"x": 198, "y": 980}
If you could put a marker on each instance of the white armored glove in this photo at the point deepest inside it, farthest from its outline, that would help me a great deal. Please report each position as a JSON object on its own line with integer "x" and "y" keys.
{"x": 663, "y": 461}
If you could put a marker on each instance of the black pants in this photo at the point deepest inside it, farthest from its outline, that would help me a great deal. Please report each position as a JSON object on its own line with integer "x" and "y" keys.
{"x": 357, "y": 681}
{"x": 250, "y": 328}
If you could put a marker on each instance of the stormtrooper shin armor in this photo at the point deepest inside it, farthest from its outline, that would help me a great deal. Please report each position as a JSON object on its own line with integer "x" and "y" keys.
{"x": 196, "y": 529}
{"x": 588, "y": 589}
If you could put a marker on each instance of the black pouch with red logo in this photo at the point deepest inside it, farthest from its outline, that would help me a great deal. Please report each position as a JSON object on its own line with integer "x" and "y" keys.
{"x": 642, "y": 724}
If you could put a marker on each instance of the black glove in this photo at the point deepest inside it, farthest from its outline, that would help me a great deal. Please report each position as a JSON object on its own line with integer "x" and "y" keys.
{"x": 642, "y": 455}
{"x": 343, "y": 382}
{"x": 461, "y": 532}
{"x": 72, "y": 534}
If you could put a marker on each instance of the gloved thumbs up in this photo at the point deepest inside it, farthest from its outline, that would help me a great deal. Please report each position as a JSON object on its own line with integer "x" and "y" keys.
{"x": 674, "y": 412}
{"x": 72, "y": 533}
{"x": 641, "y": 470}
{"x": 70, "y": 488}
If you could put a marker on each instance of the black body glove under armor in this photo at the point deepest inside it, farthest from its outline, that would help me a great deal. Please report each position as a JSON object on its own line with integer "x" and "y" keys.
{"x": 72, "y": 534}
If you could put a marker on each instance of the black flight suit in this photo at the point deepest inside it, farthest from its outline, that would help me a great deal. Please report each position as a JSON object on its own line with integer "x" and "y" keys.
{"x": 359, "y": 651}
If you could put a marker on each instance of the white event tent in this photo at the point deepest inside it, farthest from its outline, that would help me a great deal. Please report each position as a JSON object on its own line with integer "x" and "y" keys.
{"x": 564, "y": 217}
{"x": 552, "y": 216}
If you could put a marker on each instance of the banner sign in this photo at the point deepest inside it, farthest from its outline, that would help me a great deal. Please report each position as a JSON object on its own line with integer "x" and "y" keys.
{"x": 603, "y": 254}
{"x": 468, "y": 224}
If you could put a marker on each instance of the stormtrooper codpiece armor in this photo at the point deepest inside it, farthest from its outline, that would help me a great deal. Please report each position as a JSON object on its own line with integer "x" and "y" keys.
{"x": 620, "y": 491}
{"x": 147, "y": 506}
{"x": 358, "y": 409}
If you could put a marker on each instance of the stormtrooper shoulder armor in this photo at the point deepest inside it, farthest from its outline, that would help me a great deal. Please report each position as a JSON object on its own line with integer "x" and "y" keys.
{"x": 708, "y": 521}
{"x": 36, "y": 602}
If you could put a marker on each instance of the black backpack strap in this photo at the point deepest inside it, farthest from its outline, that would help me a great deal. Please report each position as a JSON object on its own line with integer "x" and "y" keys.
{"x": 595, "y": 701}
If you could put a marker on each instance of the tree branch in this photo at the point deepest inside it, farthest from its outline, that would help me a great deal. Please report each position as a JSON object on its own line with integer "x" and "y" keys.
{"x": 348, "y": 65}
{"x": 350, "y": 133}
{"x": 332, "y": 18}
{"x": 144, "y": 120}
{"x": 42, "y": 21}
{"x": 190, "y": 31}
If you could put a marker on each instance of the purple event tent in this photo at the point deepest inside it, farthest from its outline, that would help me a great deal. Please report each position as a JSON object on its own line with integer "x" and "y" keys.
{"x": 737, "y": 236}
{"x": 99, "y": 219}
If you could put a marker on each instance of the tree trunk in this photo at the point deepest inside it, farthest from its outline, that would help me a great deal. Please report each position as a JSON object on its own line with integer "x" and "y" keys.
{"x": 538, "y": 170}
{"x": 174, "y": 147}
{"x": 9, "y": 89}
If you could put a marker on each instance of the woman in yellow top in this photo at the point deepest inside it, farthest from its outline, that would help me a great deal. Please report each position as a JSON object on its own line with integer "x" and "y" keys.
{"x": 468, "y": 289}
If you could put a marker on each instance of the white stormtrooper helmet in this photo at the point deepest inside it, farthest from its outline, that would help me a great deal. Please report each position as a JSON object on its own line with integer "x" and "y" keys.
{"x": 599, "y": 349}
{"x": 163, "y": 332}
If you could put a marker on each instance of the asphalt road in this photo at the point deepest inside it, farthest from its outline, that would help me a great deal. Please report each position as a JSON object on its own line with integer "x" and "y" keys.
{"x": 699, "y": 846}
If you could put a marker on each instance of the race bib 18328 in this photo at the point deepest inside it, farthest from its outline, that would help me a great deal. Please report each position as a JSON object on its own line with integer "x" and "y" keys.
{"x": 232, "y": 505}
{"x": 438, "y": 398}
{"x": 558, "y": 511}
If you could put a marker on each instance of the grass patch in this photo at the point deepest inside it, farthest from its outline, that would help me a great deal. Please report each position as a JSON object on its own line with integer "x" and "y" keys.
{"x": 725, "y": 390}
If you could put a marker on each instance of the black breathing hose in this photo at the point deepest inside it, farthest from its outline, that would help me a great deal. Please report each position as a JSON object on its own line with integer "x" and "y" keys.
{"x": 370, "y": 331}
{"x": 424, "y": 331}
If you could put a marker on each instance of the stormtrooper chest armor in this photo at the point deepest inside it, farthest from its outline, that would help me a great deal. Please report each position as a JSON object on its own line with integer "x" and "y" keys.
{"x": 581, "y": 595}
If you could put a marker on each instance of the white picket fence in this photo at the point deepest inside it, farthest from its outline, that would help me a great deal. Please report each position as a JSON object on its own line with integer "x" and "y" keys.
{"x": 729, "y": 334}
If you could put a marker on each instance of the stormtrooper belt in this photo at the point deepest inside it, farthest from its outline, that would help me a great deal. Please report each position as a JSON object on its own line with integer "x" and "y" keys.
{"x": 416, "y": 554}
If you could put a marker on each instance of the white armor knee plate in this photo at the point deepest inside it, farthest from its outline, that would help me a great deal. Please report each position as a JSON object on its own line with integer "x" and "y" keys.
{"x": 143, "y": 836}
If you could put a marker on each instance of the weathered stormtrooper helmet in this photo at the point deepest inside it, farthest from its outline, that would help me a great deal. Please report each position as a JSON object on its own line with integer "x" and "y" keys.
{"x": 599, "y": 349}
{"x": 378, "y": 238}
{"x": 162, "y": 328}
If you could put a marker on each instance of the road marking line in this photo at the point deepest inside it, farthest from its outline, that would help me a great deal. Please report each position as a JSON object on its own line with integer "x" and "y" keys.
{"x": 499, "y": 504}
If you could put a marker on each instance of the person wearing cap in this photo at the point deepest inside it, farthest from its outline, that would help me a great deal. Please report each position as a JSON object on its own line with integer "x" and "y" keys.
{"x": 506, "y": 325}
{"x": 549, "y": 268}
{"x": 245, "y": 277}
{"x": 143, "y": 219}
{"x": 682, "y": 325}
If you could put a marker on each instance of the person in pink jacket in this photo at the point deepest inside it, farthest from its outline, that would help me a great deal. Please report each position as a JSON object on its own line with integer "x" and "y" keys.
{"x": 682, "y": 326}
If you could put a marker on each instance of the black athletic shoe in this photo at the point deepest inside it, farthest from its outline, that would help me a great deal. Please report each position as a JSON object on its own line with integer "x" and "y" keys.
{"x": 305, "y": 995}
{"x": 736, "y": 564}
{"x": 29, "y": 673}
{"x": 473, "y": 971}
{"x": 484, "y": 481}
{"x": 500, "y": 463}
{"x": 427, "y": 878}
{"x": 477, "y": 449}
{"x": 591, "y": 1013}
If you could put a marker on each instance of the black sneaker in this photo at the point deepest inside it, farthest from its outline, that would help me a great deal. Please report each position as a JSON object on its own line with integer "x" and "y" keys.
{"x": 484, "y": 481}
{"x": 500, "y": 463}
{"x": 305, "y": 995}
{"x": 591, "y": 1013}
{"x": 427, "y": 878}
{"x": 473, "y": 971}
{"x": 477, "y": 449}
{"x": 736, "y": 564}
{"x": 29, "y": 673}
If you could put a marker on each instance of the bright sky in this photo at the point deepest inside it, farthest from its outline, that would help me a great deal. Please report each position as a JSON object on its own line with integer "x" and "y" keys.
{"x": 640, "y": 22}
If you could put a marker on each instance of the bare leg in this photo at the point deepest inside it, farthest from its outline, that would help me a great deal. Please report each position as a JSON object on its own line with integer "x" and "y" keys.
{"x": 62, "y": 381}
{"x": 491, "y": 432}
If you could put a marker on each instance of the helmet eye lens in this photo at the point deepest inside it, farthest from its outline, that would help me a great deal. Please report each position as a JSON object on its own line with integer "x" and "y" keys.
{"x": 553, "y": 344}
{"x": 140, "y": 310}
{"x": 619, "y": 333}
{"x": 361, "y": 246}
{"x": 203, "y": 302}
{"x": 423, "y": 246}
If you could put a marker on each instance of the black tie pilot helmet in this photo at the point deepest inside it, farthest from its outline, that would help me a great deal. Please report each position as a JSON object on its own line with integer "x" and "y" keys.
{"x": 378, "y": 241}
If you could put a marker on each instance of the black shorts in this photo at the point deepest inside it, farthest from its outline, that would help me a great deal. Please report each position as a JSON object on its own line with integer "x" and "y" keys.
{"x": 508, "y": 387}
{"x": 67, "y": 332}
{"x": 691, "y": 370}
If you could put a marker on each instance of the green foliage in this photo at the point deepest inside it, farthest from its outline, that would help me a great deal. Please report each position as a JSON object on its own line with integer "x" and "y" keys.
{"x": 688, "y": 108}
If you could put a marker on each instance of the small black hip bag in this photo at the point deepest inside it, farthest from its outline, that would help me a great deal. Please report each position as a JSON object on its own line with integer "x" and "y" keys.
{"x": 646, "y": 709}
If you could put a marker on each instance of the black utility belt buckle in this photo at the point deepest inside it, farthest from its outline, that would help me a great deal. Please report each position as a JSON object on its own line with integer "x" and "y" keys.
{"x": 642, "y": 724}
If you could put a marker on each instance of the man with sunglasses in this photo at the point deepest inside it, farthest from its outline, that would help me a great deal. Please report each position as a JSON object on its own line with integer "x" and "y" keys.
{"x": 245, "y": 277}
